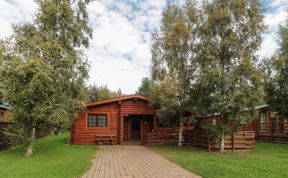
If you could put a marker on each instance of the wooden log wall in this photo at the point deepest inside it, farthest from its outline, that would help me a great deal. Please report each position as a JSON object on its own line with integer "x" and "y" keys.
{"x": 82, "y": 134}
{"x": 116, "y": 111}
{"x": 135, "y": 107}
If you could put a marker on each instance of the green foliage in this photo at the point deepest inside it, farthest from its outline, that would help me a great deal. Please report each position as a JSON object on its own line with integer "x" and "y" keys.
{"x": 16, "y": 134}
{"x": 145, "y": 87}
{"x": 172, "y": 68}
{"x": 266, "y": 160}
{"x": 229, "y": 82}
{"x": 42, "y": 65}
{"x": 102, "y": 93}
{"x": 52, "y": 158}
{"x": 277, "y": 75}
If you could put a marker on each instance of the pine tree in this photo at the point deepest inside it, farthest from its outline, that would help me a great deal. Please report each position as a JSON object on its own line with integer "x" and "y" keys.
{"x": 144, "y": 88}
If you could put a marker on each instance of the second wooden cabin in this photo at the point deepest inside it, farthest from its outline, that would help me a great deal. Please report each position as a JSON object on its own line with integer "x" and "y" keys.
{"x": 131, "y": 119}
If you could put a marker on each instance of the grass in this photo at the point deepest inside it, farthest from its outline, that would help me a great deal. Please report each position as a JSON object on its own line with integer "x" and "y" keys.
{"x": 51, "y": 158}
{"x": 267, "y": 160}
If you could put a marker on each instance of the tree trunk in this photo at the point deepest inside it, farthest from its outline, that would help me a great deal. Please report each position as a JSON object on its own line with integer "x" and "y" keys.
{"x": 31, "y": 145}
{"x": 222, "y": 146}
{"x": 180, "y": 132}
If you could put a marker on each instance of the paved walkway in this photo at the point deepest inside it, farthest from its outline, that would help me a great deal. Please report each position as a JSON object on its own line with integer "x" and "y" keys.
{"x": 127, "y": 161}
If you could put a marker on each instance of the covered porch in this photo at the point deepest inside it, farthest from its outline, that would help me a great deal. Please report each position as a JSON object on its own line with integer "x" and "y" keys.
{"x": 137, "y": 126}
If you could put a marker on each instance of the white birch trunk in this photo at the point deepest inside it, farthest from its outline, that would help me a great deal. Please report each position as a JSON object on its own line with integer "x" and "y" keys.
{"x": 31, "y": 145}
{"x": 222, "y": 146}
{"x": 180, "y": 132}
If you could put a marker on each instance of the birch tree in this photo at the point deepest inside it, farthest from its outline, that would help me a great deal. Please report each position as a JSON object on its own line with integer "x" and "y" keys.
{"x": 43, "y": 68}
{"x": 229, "y": 82}
{"x": 172, "y": 57}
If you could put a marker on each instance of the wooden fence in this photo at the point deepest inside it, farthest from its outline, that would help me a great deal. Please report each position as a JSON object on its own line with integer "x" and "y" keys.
{"x": 162, "y": 138}
{"x": 275, "y": 131}
{"x": 3, "y": 141}
{"x": 240, "y": 141}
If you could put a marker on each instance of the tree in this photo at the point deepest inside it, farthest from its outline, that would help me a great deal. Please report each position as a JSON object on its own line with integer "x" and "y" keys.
{"x": 144, "y": 88}
{"x": 277, "y": 75}
{"x": 43, "y": 69}
{"x": 102, "y": 93}
{"x": 172, "y": 56}
{"x": 229, "y": 83}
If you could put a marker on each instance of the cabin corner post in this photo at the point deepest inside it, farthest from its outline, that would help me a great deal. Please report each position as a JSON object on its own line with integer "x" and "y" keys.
{"x": 119, "y": 123}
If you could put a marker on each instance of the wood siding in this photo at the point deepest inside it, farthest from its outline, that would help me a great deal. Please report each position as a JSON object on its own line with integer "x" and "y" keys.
{"x": 274, "y": 129}
{"x": 116, "y": 111}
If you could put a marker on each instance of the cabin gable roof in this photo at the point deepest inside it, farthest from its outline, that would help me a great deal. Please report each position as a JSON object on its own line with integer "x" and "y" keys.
{"x": 118, "y": 99}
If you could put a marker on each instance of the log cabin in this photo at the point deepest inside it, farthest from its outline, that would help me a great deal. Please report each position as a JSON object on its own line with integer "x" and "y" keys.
{"x": 4, "y": 115}
{"x": 120, "y": 120}
{"x": 269, "y": 126}
{"x": 130, "y": 119}
{"x": 4, "y": 122}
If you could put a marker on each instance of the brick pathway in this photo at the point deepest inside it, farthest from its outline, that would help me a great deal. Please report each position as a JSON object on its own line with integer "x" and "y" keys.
{"x": 127, "y": 161}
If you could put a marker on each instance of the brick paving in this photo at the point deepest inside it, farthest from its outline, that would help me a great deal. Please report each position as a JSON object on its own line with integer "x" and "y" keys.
{"x": 133, "y": 161}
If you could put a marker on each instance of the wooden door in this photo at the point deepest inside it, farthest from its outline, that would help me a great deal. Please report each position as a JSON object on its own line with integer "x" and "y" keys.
{"x": 135, "y": 129}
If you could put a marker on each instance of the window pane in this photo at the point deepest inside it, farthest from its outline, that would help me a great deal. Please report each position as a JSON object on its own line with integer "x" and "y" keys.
{"x": 263, "y": 117}
{"x": 97, "y": 120}
{"x": 243, "y": 120}
{"x": 92, "y": 120}
{"x": 102, "y": 121}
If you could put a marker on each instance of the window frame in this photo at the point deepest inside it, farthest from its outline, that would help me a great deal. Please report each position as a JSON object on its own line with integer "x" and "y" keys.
{"x": 213, "y": 121}
{"x": 243, "y": 120}
{"x": 97, "y": 120}
{"x": 263, "y": 118}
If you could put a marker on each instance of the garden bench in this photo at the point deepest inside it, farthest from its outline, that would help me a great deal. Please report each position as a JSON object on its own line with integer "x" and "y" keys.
{"x": 105, "y": 139}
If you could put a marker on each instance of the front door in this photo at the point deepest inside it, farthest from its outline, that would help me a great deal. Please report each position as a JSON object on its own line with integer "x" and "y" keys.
{"x": 135, "y": 129}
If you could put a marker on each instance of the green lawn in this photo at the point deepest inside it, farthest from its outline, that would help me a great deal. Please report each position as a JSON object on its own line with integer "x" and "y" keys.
{"x": 52, "y": 158}
{"x": 268, "y": 160}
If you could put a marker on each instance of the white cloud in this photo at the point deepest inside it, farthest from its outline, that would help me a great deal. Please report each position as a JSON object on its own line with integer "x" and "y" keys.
{"x": 119, "y": 53}
{"x": 272, "y": 20}
{"x": 269, "y": 45}
{"x": 277, "y": 3}
{"x": 120, "y": 49}
{"x": 15, "y": 11}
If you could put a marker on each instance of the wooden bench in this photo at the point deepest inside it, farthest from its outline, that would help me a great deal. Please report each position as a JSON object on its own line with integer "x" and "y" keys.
{"x": 109, "y": 139}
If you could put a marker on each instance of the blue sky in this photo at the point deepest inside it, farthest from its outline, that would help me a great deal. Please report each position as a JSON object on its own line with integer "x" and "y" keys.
{"x": 119, "y": 53}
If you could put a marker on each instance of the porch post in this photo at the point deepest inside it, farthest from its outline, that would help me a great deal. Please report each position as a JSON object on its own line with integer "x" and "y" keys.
{"x": 154, "y": 123}
{"x": 188, "y": 123}
{"x": 141, "y": 129}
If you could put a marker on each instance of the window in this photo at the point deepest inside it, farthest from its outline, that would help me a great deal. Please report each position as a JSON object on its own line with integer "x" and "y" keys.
{"x": 97, "y": 120}
{"x": 273, "y": 114}
{"x": 263, "y": 118}
{"x": 2, "y": 116}
{"x": 213, "y": 121}
{"x": 243, "y": 120}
